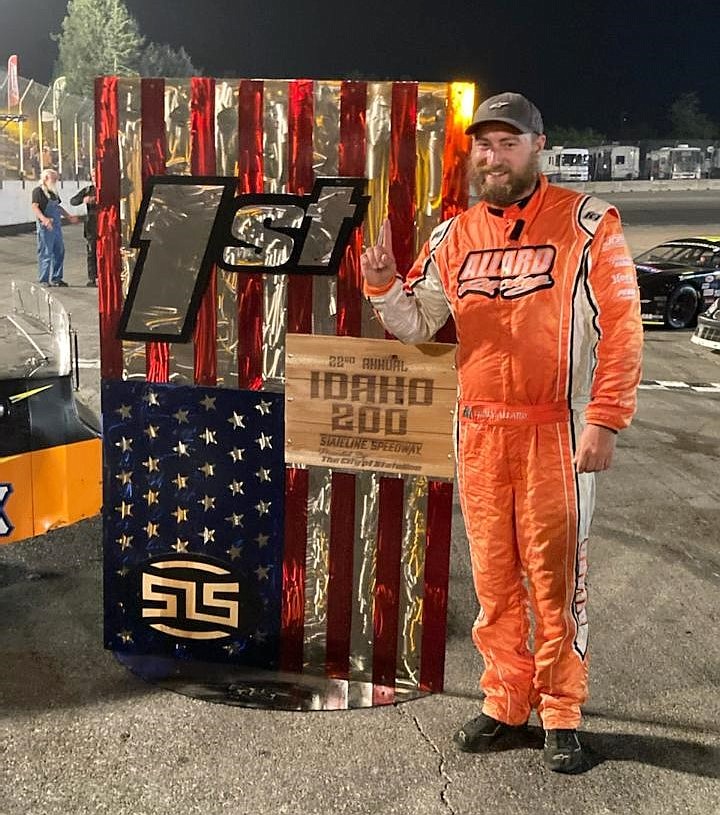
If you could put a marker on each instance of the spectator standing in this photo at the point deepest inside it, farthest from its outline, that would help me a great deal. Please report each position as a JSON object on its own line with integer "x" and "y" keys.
{"x": 48, "y": 211}
{"x": 88, "y": 196}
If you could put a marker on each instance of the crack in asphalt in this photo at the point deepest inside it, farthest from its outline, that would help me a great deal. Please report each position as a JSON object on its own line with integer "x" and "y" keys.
{"x": 441, "y": 761}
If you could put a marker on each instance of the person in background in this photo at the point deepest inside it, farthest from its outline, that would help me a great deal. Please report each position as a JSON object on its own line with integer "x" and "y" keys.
{"x": 88, "y": 196}
{"x": 48, "y": 211}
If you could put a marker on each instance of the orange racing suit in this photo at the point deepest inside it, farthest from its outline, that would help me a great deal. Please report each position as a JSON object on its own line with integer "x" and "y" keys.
{"x": 546, "y": 307}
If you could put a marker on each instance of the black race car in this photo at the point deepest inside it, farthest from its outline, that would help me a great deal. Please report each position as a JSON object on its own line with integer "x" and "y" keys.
{"x": 678, "y": 280}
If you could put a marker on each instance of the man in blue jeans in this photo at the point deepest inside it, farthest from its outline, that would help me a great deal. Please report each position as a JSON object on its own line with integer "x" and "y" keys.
{"x": 48, "y": 212}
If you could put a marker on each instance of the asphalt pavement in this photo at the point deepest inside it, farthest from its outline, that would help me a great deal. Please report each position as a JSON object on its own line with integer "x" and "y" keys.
{"x": 79, "y": 734}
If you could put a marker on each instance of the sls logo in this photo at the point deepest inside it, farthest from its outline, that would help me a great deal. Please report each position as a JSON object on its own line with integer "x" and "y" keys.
{"x": 187, "y": 225}
{"x": 5, "y": 526}
{"x": 509, "y": 273}
{"x": 191, "y": 599}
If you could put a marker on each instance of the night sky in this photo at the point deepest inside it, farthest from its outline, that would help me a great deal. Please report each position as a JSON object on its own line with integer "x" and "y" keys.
{"x": 584, "y": 64}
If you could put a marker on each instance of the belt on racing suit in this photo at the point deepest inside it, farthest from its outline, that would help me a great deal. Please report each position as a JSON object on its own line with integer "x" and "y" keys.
{"x": 502, "y": 414}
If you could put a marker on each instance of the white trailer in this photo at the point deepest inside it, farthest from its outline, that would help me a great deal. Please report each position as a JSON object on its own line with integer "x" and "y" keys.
{"x": 614, "y": 162}
{"x": 550, "y": 163}
{"x": 681, "y": 162}
{"x": 574, "y": 163}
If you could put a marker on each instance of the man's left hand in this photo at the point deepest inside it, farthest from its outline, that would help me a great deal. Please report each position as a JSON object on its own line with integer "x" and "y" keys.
{"x": 595, "y": 449}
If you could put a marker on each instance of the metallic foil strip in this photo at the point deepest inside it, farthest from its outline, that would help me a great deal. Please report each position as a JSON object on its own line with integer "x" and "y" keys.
{"x": 377, "y": 171}
{"x": 412, "y": 580}
{"x": 326, "y": 141}
{"x": 226, "y": 155}
{"x": 379, "y": 104}
{"x": 130, "y": 142}
{"x": 367, "y": 486}
{"x": 317, "y": 567}
{"x": 178, "y": 93}
{"x": 430, "y": 147}
{"x": 275, "y": 170}
{"x": 226, "y": 126}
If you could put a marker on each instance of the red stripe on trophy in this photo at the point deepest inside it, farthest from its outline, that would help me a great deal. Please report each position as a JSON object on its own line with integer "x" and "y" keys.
{"x": 300, "y": 181}
{"x": 154, "y": 154}
{"x": 454, "y": 182}
{"x": 353, "y": 104}
{"x": 437, "y": 572}
{"x": 293, "y": 576}
{"x": 401, "y": 194}
{"x": 387, "y": 588}
{"x": 107, "y": 152}
{"x": 250, "y": 286}
{"x": 202, "y": 162}
{"x": 340, "y": 575}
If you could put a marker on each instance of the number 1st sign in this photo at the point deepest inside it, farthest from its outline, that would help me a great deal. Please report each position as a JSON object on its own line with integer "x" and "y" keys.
{"x": 374, "y": 405}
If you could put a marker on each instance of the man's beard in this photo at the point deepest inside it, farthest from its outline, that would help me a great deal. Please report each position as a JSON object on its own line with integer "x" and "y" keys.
{"x": 517, "y": 185}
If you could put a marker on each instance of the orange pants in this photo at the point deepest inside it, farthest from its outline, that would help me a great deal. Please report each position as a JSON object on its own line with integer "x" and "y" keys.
{"x": 527, "y": 514}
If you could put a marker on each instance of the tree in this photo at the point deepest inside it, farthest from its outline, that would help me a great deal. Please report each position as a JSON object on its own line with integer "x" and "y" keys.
{"x": 688, "y": 121}
{"x": 161, "y": 59}
{"x": 574, "y": 137}
{"x": 98, "y": 37}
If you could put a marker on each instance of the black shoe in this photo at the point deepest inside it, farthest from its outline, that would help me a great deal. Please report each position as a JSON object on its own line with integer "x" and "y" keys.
{"x": 480, "y": 733}
{"x": 562, "y": 752}
{"x": 91, "y": 284}
{"x": 59, "y": 284}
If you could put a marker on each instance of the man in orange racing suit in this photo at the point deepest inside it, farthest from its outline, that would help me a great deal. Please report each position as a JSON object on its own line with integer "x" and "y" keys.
{"x": 543, "y": 292}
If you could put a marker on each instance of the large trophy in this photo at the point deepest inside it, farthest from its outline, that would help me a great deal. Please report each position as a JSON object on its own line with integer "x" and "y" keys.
{"x": 277, "y": 472}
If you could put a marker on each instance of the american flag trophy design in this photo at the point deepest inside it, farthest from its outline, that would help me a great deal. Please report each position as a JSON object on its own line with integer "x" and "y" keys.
{"x": 274, "y": 533}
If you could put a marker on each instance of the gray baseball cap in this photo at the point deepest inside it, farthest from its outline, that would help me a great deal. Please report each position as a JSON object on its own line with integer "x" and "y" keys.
{"x": 511, "y": 109}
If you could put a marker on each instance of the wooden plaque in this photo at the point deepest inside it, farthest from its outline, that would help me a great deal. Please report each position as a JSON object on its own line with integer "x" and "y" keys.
{"x": 361, "y": 404}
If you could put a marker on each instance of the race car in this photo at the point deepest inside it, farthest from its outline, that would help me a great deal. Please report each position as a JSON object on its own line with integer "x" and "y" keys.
{"x": 707, "y": 332}
{"x": 678, "y": 280}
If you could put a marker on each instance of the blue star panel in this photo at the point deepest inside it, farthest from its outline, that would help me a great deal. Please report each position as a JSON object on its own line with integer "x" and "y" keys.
{"x": 193, "y": 521}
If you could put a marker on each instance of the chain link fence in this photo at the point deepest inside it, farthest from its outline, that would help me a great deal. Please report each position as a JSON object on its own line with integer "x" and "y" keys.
{"x": 48, "y": 128}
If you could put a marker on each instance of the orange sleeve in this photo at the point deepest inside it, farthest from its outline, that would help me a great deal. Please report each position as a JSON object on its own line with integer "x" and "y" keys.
{"x": 613, "y": 290}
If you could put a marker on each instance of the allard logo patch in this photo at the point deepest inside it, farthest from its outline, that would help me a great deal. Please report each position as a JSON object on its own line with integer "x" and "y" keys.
{"x": 509, "y": 273}
{"x": 190, "y": 599}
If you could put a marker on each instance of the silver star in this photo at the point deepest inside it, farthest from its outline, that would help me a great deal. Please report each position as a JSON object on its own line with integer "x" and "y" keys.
{"x": 263, "y": 474}
{"x": 124, "y": 444}
{"x": 236, "y": 487}
{"x": 151, "y": 529}
{"x": 262, "y": 572}
{"x": 126, "y": 637}
{"x": 124, "y": 477}
{"x": 209, "y": 402}
{"x": 180, "y": 545}
{"x": 180, "y": 481}
{"x": 182, "y": 449}
{"x": 264, "y": 441}
{"x": 208, "y": 502}
{"x": 207, "y": 535}
{"x": 123, "y": 572}
{"x": 262, "y": 540}
{"x": 151, "y": 464}
{"x": 124, "y": 411}
{"x": 231, "y": 648}
{"x": 237, "y": 455}
{"x": 125, "y": 510}
{"x": 263, "y": 407}
{"x": 208, "y": 436}
{"x": 181, "y": 514}
{"x": 125, "y": 542}
{"x": 235, "y": 519}
{"x": 234, "y": 552}
{"x": 236, "y": 420}
{"x": 263, "y": 507}
{"x": 151, "y": 398}
{"x": 208, "y": 469}
{"x": 151, "y": 496}
{"x": 151, "y": 431}
{"x": 181, "y": 416}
